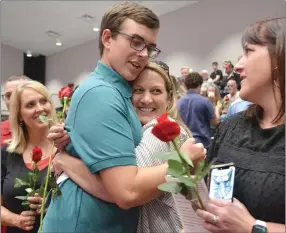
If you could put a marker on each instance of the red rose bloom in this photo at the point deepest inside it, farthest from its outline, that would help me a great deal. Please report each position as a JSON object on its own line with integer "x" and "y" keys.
{"x": 166, "y": 130}
{"x": 226, "y": 98}
{"x": 37, "y": 154}
{"x": 65, "y": 92}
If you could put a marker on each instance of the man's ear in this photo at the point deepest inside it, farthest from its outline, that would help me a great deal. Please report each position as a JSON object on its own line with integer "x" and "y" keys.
{"x": 106, "y": 38}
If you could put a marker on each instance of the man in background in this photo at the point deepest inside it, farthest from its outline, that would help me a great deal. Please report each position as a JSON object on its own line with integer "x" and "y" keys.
{"x": 233, "y": 93}
{"x": 11, "y": 84}
{"x": 197, "y": 112}
{"x": 229, "y": 74}
{"x": 216, "y": 75}
{"x": 184, "y": 73}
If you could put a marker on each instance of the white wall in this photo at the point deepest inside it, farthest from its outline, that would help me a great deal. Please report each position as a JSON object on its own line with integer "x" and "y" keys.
{"x": 71, "y": 65}
{"x": 12, "y": 62}
{"x": 194, "y": 36}
{"x": 210, "y": 30}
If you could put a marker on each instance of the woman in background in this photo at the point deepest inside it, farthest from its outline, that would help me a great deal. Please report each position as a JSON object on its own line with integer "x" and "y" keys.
{"x": 28, "y": 101}
{"x": 255, "y": 140}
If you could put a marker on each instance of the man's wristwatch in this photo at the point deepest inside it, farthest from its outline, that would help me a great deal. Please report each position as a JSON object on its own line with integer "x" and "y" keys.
{"x": 259, "y": 227}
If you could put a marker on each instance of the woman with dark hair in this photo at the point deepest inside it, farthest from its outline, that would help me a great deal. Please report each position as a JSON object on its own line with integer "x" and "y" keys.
{"x": 255, "y": 139}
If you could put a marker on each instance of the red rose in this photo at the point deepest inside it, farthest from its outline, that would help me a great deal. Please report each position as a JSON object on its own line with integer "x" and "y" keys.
{"x": 163, "y": 117}
{"x": 226, "y": 98}
{"x": 166, "y": 130}
{"x": 65, "y": 92}
{"x": 37, "y": 154}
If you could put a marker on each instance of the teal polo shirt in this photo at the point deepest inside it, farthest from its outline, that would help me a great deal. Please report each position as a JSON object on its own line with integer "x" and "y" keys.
{"x": 104, "y": 131}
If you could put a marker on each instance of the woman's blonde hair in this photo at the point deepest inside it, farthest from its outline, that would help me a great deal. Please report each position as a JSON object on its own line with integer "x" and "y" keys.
{"x": 172, "y": 94}
{"x": 19, "y": 132}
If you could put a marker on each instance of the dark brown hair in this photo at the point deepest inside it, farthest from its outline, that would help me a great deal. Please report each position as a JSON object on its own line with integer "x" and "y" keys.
{"x": 269, "y": 33}
{"x": 116, "y": 15}
{"x": 193, "y": 80}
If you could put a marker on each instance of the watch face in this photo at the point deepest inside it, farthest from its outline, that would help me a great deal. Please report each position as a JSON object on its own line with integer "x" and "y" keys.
{"x": 259, "y": 229}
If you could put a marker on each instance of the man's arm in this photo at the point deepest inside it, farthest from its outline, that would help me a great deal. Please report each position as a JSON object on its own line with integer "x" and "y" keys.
{"x": 80, "y": 174}
{"x": 103, "y": 138}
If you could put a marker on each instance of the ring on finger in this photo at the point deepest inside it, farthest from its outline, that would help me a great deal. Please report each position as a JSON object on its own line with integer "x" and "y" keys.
{"x": 215, "y": 219}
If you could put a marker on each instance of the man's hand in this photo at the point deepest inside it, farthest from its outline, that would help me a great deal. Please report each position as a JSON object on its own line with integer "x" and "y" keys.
{"x": 58, "y": 134}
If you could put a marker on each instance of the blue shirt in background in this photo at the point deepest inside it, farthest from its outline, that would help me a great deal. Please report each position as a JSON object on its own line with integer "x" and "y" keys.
{"x": 237, "y": 106}
{"x": 197, "y": 111}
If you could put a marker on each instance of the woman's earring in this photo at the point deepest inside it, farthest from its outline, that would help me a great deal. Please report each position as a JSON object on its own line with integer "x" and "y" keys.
{"x": 21, "y": 123}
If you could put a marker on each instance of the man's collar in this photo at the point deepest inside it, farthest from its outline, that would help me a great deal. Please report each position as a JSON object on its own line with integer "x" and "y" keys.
{"x": 111, "y": 76}
{"x": 192, "y": 92}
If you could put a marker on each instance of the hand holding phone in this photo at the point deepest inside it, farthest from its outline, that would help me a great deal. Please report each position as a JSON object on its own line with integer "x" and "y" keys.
{"x": 222, "y": 181}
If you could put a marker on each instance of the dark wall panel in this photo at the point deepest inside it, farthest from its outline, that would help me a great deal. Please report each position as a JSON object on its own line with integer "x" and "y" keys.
{"x": 35, "y": 68}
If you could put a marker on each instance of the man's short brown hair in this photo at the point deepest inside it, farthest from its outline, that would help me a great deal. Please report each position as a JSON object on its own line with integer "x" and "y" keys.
{"x": 193, "y": 80}
{"x": 116, "y": 15}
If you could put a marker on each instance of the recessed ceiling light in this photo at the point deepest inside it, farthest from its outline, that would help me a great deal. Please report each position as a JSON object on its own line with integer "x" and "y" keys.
{"x": 95, "y": 29}
{"x": 29, "y": 54}
{"x": 58, "y": 42}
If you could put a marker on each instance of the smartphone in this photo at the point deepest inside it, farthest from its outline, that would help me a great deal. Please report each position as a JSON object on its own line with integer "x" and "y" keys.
{"x": 222, "y": 181}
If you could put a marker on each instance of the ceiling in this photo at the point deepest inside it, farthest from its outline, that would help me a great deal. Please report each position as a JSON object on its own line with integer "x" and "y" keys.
{"x": 24, "y": 23}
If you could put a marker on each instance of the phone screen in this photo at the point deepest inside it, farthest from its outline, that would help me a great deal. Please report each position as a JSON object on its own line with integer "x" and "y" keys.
{"x": 222, "y": 182}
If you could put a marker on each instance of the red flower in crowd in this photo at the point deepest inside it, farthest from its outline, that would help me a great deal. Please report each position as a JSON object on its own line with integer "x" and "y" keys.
{"x": 226, "y": 98}
{"x": 37, "y": 154}
{"x": 65, "y": 92}
{"x": 166, "y": 130}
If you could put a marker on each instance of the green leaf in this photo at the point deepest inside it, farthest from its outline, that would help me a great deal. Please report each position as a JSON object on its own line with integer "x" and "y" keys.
{"x": 175, "y": 168}
{"x": 170, "y": 187}
{"x": 168, "y": 156}
{"x": 188, "y": 181}
{"x": 19, "y": 183}
{"x": 23, "y": 198}
{"x": 45, "y": 119}
{"x": 204, "y": 170}
{"x": 29, "y": 190}
{"x": 199, "y": 167}
{"x": 25, "y": 203}
{"x": 187, "y": 159}
{"x": 60, "y": 115}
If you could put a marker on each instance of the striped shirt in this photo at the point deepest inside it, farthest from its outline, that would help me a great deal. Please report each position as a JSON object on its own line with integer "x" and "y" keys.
{"x": 159, "y": 215}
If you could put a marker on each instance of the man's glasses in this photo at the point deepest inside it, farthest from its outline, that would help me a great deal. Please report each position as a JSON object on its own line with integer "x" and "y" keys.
{"x": 6, "y": 96}
{"x": 139, "y": 45}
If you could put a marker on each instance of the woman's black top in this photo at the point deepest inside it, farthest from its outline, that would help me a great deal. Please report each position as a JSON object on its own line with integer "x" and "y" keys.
{"x": 259, "y": 158}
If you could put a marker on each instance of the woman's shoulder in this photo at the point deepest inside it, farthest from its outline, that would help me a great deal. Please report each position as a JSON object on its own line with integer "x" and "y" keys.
{"x": 5, "y": 153}
{"x": 233, "y": 122}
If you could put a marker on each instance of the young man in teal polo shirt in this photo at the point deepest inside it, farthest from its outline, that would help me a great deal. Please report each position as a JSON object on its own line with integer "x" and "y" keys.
{"x": 104, "y": 130}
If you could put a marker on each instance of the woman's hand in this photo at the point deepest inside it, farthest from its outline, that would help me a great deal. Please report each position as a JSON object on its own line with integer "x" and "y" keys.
{"x": 35, "y": 203}
{"x": 58, "y": 134}
{"x": 226, "y": 217}
{"x": 195, "y": 151}
{"x": 25, "y": 220}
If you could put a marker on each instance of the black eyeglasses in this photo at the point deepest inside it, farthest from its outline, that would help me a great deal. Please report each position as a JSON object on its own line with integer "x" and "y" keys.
{"x": 139, "y": 44}
{"x": 163, "y": 65}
